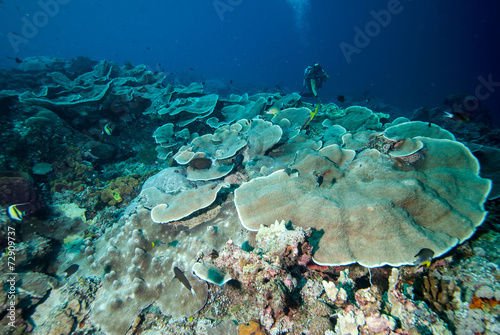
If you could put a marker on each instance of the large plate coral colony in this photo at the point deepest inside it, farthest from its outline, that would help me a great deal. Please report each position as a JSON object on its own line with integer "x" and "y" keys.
{"x": 254, "y": 214}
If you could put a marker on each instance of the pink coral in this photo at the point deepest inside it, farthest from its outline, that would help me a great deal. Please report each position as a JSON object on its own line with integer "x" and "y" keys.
{"x": 411, "y": 159}
{"x": 236, "y": 178}
{"x": 378, "y": 323}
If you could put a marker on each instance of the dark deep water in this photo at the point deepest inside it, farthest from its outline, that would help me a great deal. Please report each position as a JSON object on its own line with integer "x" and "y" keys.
{"x": 415, "y": 56}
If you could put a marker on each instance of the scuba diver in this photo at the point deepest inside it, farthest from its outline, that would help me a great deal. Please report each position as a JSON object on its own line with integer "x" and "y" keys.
{"x": 313, "y": 79}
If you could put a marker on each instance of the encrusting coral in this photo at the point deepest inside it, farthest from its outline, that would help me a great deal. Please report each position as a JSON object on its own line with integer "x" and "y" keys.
{"x": 119, "y": 188}
{"x": 138, "y": 257}
{"x": 251, "y": 328}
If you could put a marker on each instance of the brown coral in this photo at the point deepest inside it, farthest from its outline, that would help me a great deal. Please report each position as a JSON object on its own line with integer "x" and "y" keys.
{"x": 71, "y": 174}
{"x": 439, "y": 293}
{"x": 119, "y": 188}
{"x": 251, "y": 328}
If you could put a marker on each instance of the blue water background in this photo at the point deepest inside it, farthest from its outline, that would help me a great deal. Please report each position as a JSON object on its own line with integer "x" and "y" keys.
{"x": 428, "y": 50}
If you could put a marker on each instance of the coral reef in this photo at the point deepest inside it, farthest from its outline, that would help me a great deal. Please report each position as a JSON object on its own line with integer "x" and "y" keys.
{"x": 138, "y": 259}
{"x": 261, "y": 214}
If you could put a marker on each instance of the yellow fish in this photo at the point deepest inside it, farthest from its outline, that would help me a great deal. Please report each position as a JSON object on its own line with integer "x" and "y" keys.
{"x": 108, "y": 128}
{"x": 424, "y": 258}
{"x": 117, "y": 196}
{"x": 318, "y": 106}
{"x": 15, "y": 213}
{"x": 273, "y": 110}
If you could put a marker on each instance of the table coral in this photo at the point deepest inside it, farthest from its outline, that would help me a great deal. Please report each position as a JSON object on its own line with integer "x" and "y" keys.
{"x": 177, "y": 207}
{"x": 357, "y": 118}
{"x": 433, "y": 205}
{"x": 417, "y": 128}
{"x": 212, "y": 156}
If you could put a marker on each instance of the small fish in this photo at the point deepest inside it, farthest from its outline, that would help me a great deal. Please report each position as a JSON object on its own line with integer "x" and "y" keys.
{"x": 117, "y": 196}
{"x": 108, "y": 128}
{"x": 424, "y": 258}
{"x": 182, "y": 278}
{"x": 157, "y": 243}
{"x": 15, "y": 213}
{"x": 430, "y": 124}
{"x": 341, "y": 98}
{"x": 458, "y": 116}
{"x": 72, "y": 269}
{"x": 318, "y": 107}
{"x": 319, "y": 181}
{"x": 290, "y": 171}
{"x": 273, "y": 110}
{"x": 319, "y": 178}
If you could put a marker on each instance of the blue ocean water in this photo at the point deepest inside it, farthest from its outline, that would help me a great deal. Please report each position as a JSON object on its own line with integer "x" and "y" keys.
{"x": 406, "y": 53}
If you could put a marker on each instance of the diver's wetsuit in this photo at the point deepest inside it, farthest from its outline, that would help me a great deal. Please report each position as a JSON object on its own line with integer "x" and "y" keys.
{"x": 313, "y": 78}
